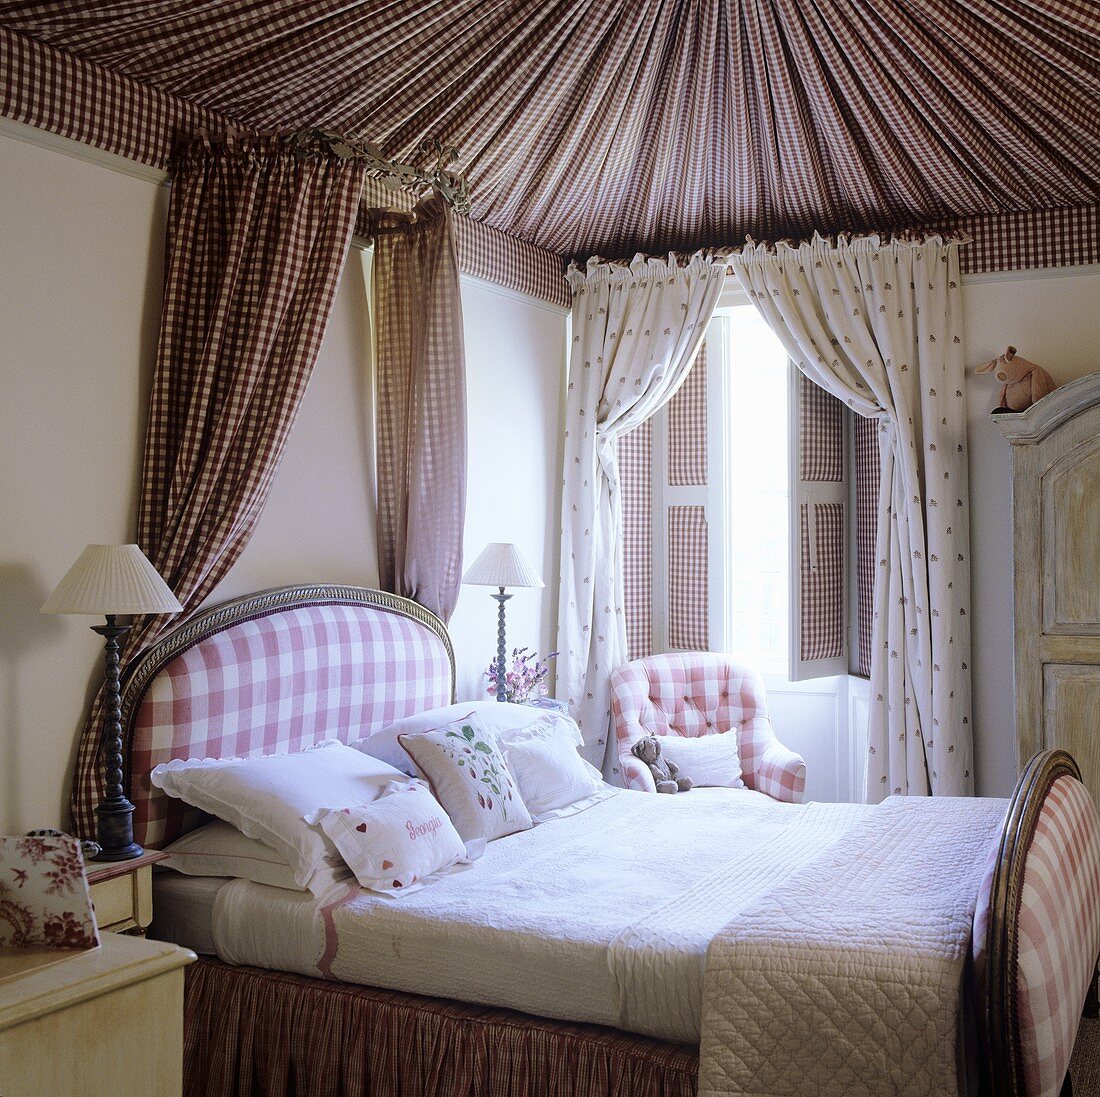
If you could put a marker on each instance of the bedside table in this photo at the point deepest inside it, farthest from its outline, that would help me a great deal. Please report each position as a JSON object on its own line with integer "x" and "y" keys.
{"x": 122, "y": 892}
{"x": 101, "y": 1020}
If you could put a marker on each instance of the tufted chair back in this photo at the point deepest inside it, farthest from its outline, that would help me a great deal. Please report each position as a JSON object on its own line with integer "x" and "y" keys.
{"x": 702, "y": 693}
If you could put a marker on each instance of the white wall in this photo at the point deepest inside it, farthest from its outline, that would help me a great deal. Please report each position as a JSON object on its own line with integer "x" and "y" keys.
{"x": 1053, "y": 318}
{"x": 515, "y": 370}
{"x": 79, "y": 309}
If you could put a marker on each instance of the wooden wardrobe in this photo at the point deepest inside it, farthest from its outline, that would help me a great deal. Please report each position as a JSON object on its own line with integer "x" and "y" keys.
{"x": 1056, "y": 507}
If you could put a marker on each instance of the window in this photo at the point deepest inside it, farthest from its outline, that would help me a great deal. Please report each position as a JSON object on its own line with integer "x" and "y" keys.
{"x": 737, "y": 507}
{"x": 737, "y": 513}
{"x": 753, "y": 481}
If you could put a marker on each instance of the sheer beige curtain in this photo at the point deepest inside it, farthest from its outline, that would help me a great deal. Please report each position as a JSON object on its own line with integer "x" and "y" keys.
{"x": 636, "y": 329}
{"x": 879, "y": 325}
{"x": 421, "y": 404}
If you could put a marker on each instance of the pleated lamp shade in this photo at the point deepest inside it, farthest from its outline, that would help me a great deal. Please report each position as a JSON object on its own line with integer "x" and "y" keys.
{"x": 112, "y": 579}
{"x": 502, "y": 565}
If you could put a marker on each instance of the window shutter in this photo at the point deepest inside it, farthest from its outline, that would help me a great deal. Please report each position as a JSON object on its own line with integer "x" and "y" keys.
{"x": 819, "y": 531}
{"x": 663, "y": 480}
{"x": 681, "y": 476}
{"x": 684, "y": 524}
{"x": 866, "y": 476}
{"x": 635, "y": 454}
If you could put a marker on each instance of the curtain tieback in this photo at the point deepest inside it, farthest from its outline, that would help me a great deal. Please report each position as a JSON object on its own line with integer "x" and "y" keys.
{"x": 608, "y": 460}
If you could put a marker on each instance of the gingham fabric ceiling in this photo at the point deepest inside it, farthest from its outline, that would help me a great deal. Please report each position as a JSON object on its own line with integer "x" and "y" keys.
{"x": 597, "y": 126}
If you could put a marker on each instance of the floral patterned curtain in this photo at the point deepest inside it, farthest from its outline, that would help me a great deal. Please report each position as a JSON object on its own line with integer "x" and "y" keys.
{"x": 880, "y": 327}
{"x": 636, "y": 329}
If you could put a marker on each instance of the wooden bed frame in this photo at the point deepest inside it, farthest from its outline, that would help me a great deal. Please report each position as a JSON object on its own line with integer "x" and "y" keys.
{"x": 257, "y": 1032}
{"x": 1003, "y": 1074}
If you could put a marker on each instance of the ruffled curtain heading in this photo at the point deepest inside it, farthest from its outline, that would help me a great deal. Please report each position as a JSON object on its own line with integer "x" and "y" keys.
{"x": 636, "y": 329}
{"x": 257, "y": 234}
{"x": 879, "y": 325}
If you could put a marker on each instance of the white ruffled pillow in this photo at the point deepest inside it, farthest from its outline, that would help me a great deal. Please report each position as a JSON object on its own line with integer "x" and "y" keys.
{"x": 218, "y": 849}
{"x": 469, "y": 776}
{"x": 549, "y": 771}
{"x": 499, "y": 718}
{"x": 265, "y": 798}
{"x": 395, "y": 844}
{"x": 709, "y": 760}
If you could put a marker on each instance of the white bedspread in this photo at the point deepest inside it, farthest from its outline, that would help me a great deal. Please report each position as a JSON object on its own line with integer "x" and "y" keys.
{"x": 848, "y": 977}
{"x": 604, "y": 916}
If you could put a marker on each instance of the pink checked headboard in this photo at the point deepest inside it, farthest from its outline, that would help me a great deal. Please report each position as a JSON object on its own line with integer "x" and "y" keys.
{"x": 268, "y": 674}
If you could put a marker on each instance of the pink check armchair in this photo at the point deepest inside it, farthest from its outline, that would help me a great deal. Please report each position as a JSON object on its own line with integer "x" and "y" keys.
{"x": 699, "y": 693}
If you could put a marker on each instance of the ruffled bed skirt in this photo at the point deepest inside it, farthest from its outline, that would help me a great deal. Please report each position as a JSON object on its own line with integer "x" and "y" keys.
{"x": 255, "y": 1033}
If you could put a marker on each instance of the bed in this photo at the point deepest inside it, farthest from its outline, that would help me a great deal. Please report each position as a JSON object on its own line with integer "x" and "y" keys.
{"x": 627, "y": 948}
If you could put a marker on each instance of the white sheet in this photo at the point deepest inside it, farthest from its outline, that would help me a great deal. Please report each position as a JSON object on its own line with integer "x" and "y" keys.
{"x": 183, "y": 910}
{"x": 604, "y": 916}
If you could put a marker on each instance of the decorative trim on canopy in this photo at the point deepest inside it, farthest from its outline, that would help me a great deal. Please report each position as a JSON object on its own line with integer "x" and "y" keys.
{"x": 64, "y": 94}
{"x": 1029, "y": 239}
{"x": 68, "y": 95}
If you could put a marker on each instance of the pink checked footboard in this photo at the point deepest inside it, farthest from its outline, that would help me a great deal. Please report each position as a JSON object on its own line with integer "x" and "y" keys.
{"x": 1037, "y": 930}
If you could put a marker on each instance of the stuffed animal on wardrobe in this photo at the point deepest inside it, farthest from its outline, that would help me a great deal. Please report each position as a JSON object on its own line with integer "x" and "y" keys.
{"x": 1024, "y": 382}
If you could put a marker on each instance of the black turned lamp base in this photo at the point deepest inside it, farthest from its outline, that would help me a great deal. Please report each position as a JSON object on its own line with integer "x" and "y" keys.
{"x": 115, "y": 831}
{"x": 114, "y": 814}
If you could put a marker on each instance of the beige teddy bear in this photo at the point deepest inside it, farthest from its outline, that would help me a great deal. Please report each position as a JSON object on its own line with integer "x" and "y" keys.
{"x": 648, "y": 749}
{"x": 1024, "y": 382}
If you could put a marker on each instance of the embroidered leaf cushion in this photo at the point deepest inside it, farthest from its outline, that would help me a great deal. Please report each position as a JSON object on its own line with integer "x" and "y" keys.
{"x": 501, "y": 719}
{"x": 470, "y": 778}
{"x": 395, "y": 844}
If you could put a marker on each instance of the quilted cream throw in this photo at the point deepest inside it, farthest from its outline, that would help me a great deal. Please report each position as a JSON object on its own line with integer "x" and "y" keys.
{"x": 847, "y": 979}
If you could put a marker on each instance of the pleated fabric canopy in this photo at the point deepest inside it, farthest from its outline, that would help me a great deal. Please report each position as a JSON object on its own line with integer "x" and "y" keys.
{"x": 592, "y": 126}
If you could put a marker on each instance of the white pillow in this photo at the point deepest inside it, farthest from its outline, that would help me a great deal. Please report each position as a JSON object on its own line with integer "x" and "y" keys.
{"x": 558, "y": 726}
{"x": 266, "y": 797}
{"x": 470, "y": 778}
{"x": 604, "y": 792}
{"x": 498, "y": 717}
{"x": 217, "y": 849}
{"x": 394, "y": 844}
{"x": 549, "y": 771}
{"x": 709, "y": 760}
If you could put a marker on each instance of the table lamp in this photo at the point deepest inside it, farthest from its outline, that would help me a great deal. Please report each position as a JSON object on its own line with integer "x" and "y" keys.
{"x": 112, "y": 580}
{"x": 501, "y": 565}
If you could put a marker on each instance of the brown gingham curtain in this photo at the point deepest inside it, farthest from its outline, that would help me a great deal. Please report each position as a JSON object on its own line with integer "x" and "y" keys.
{"x": 420, "y": 379}
{"x": 258, "y": 231}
